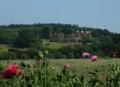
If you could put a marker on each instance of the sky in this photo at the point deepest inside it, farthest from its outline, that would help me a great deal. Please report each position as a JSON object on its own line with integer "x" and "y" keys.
{"x": 103, "y": 14}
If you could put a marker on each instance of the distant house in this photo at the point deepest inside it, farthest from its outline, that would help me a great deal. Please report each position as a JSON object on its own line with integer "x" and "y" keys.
{"x": 74, "y": 37}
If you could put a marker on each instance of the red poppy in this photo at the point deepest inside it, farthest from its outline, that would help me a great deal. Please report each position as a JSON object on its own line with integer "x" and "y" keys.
{"x": 10, "y": 71}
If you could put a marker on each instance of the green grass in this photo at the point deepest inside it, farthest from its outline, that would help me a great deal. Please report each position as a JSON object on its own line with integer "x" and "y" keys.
{"x": 35, "y": 77}
{"x": 55, "y": 45}
{"x": 4, "y": 48}
{"x": 80, "y": 66}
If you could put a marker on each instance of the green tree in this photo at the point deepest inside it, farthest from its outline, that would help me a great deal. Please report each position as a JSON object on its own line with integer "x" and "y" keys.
{"x": 25, "y": 38}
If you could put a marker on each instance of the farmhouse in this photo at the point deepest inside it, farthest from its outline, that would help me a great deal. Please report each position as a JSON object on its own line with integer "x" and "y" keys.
{"x": 74, "y": 37}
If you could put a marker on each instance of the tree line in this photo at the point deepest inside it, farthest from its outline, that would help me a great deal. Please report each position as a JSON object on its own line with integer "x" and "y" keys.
{"x": 31, "y": 36}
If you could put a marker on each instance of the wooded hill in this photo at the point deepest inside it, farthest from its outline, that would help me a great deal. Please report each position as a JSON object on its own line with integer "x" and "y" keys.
{"x": 94, "y": 40}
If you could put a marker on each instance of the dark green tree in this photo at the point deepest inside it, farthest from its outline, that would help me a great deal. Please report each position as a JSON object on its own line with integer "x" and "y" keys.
{"x": 26, "y": 38}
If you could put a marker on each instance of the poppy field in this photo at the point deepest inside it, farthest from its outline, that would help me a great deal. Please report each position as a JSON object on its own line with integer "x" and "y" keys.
{"x": 64, "y": 73}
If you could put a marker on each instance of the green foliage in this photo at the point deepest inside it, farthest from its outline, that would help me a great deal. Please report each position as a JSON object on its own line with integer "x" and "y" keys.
{"x": 44, "y": 76}
{"x": 8, "y": 55}
{"x": 1, "y": 67}
{"x": 27, "y": 38}
{"x": 100, "y": 42}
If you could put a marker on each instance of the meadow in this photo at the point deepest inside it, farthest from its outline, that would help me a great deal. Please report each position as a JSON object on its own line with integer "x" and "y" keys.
{"x": 82, "y": 73}
{"x": 4, "y": 48}
{"x": 54, "y": 45}
{"x": 50, "y": 55}
{"x": 80, "y": 66}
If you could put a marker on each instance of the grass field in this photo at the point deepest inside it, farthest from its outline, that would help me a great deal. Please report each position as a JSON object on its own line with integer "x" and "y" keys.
{"x": 54, "y": 45}
{"x": 80, "y": 66}
{"x": 82, "y": 72}
{"x": 4, "y": 48}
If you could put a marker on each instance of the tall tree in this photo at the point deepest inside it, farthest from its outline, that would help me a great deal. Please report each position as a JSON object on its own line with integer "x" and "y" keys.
{"x": 25, "y": 38}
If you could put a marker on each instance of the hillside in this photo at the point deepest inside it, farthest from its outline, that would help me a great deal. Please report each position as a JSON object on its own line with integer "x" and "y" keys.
{"x": 62, "y": 40}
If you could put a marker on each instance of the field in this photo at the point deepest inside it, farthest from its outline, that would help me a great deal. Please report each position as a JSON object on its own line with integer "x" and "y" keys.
{"x": 80, "y": 66}
{"x": 82, "y": 73}
{"x": 51, "y": 73}
{"x": 4, "y": 48}
{"x": 54, "y": 45}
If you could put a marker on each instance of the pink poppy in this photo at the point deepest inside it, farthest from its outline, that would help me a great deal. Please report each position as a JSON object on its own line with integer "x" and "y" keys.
{"x": 94, "y": 58}
{"x": 66, "y": 67}
{"x": 85, "y": 54}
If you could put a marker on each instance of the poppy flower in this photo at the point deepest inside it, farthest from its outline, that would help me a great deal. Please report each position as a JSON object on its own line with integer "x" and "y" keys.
{"x": 10, "y": 71}
{"x": 94, "y": 58}
{"x": 85, "y": 54}
{"x": 66, "y": 67}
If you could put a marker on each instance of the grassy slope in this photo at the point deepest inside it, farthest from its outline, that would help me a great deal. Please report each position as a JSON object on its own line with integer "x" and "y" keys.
{"x": 54, "y": 45}
{"x": 4, "y": 48}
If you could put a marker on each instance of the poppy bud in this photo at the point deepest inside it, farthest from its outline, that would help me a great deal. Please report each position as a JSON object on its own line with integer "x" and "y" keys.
{"x": 66, "y": 67}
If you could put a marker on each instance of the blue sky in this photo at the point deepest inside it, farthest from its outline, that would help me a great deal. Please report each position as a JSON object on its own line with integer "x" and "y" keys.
{"x": 90, "y": 13}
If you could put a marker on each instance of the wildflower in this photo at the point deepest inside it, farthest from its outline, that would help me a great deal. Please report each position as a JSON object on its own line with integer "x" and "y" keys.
{"x": 94, "y": 58}
{"x": 10, "y": 71}
{"x": 85, "y": 54}
{"x": 53, "y": 68}
{"x": 66, "y": 67}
